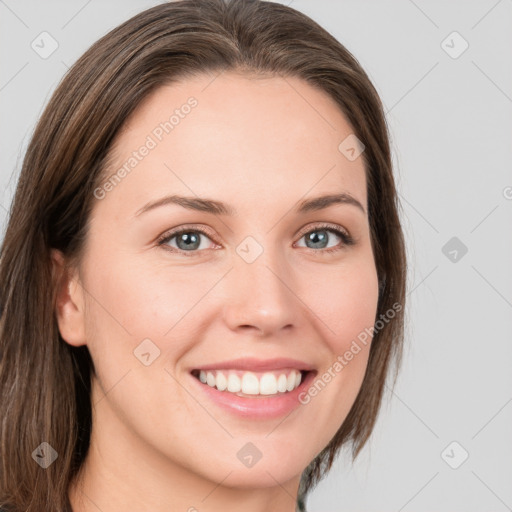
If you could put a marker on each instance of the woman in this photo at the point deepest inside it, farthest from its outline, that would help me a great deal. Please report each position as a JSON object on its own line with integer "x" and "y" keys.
{"x": 203, "y": 269}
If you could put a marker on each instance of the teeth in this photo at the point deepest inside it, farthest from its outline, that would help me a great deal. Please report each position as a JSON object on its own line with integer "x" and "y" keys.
{"x": 251, "y": 383}
{"x": 221, "y": 382}
{"x": 281, "y": 383}
{"x": 234, "y": 383}
{"x": 268, "y": 384}
{"x": 290, "y": 384}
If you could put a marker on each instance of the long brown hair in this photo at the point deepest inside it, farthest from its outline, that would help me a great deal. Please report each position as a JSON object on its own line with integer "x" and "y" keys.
{"x": 45, "y": 382}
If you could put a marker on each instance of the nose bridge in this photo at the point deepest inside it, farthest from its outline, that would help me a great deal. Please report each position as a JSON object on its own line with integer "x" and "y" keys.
{"x": 259, "y": 294}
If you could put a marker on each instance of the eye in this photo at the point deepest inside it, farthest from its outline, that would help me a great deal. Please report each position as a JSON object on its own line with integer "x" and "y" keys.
{"x": 188, "y": 240}
{"x": 319, "y": 236}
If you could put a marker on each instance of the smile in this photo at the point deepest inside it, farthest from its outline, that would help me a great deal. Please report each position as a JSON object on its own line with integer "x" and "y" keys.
{"x": 253, "y": 388}
{"x": 252, "y": 384}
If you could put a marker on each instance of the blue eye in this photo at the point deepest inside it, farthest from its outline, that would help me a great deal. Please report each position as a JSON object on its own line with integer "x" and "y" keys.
{"x": 188, "y": 240}
{"x": 319, "y": 236}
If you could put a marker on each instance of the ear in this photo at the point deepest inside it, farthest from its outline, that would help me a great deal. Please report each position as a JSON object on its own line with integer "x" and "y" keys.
{"x": 69, "y": 301}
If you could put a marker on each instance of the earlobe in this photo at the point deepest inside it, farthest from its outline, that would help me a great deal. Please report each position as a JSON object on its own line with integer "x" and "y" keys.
{"x": 69, "y": 304}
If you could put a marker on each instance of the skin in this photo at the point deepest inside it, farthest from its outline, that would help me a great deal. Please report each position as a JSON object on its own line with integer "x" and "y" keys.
{"x": 260, "y": 145}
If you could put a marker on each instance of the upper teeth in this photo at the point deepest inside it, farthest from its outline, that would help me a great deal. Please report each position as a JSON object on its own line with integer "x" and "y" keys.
{"x": 251, "y": 383}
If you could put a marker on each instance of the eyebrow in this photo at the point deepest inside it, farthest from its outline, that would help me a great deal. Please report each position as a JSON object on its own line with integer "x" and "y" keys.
{"x": 219, "y": 208}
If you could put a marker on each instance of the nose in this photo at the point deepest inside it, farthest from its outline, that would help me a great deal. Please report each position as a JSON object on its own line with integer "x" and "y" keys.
{"x": 260, "y": 296}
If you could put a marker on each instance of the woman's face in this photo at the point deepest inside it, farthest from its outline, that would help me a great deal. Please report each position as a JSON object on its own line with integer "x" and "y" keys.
{"x": 259, "y": 286}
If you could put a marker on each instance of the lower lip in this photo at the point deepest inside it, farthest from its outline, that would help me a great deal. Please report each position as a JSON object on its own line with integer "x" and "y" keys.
{"x": 266, "y": 407}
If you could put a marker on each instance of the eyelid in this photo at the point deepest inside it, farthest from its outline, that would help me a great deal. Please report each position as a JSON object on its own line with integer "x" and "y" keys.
{"x": 322, "y": 225}
{"x": 171, "y": 233}
{"x": 347, "y": 239}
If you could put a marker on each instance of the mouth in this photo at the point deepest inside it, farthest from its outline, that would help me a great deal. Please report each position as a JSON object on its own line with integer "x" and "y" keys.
{"x": 253, "y": 384}
{"x": 253, "y": 388}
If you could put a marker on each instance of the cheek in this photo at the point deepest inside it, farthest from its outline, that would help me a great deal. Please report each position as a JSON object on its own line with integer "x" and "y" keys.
{"x": 143, "y": 299}
{"x": 346, "y": 308}
{"x": 131, "y": 301}
{"x": 346, "y": 302}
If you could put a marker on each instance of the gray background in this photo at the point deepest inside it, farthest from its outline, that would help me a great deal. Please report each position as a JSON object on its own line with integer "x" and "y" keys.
{"x": 450, "y": 122}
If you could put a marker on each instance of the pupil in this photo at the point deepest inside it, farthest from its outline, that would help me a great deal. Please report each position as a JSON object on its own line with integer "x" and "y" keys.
{"x": 189, "y": 239}
{"x": 316, "y": 238}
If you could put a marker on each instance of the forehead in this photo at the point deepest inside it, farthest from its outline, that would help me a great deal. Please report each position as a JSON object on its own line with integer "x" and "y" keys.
{"x": 233, "y": 136}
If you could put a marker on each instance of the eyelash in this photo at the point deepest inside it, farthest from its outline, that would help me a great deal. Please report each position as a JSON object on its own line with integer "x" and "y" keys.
{"x": 347, "y": 240}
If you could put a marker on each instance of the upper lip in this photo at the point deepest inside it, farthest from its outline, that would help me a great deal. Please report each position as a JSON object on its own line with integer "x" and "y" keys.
{"x": 251, "y": 363}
